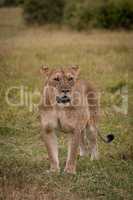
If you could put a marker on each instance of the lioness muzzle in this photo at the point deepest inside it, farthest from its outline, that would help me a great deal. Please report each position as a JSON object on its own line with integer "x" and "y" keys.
{"x": 64, "y": 99}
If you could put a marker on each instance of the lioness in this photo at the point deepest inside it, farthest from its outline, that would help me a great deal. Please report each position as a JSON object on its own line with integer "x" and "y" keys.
{"x": 71, "y": 105}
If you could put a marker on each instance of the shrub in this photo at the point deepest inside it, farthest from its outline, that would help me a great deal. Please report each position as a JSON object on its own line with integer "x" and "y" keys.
{"x": 43, "y": 11}
{"x": 11, "y": 2}
{"x": 115, "y": 14}
{"x": 82, "y": 14}
{"x": 79, "y": 14}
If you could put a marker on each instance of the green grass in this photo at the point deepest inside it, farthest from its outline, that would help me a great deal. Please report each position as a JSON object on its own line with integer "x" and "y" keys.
{"x": 105, "y": 58}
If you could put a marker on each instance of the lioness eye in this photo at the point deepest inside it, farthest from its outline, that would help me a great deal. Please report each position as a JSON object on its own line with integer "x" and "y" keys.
{"x": 56, "y": 79}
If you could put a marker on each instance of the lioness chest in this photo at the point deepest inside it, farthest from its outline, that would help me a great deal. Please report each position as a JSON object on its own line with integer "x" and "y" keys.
{"x": 66, "y": 119}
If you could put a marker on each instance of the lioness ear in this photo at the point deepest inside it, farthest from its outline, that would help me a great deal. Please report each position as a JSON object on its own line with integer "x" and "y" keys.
{"x": 76, "y": 69}
{"x": 44, "y": 70}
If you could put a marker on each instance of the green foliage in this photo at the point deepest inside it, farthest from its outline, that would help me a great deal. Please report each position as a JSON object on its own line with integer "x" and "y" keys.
{"x": 11, "y": 2}
{"x": 43, "y": 11}
{"x": 105, "y": 14}
{"x": 77, "y": 14}
{"x": 115, "y": 14}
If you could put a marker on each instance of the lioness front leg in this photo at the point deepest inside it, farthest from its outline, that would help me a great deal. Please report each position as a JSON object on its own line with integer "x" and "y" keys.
{"x": 93, "y": 143}
{"x": 50, "y": 140}
{"x": 72, "y": 152}
{"x": 82, "y": 144}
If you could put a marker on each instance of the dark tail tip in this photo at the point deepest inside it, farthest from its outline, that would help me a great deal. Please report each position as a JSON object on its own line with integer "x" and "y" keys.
{"x": 110, "y": 138}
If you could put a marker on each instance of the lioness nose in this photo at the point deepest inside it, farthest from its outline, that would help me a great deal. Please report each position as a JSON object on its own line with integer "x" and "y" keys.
{"x": 65, "y": 90}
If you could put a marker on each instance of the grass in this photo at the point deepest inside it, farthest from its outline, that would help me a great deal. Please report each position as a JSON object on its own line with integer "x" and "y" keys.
{"x": 105, "y": 58}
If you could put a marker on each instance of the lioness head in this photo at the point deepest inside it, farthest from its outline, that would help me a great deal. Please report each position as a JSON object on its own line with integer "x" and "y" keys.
{"x": 62, "y": 80}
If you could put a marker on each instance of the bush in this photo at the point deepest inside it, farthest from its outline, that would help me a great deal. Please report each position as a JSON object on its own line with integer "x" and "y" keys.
{"x": 99, "y": 13}
{"x": 11, "y": 2}
{"x": 115, "y": 14}
{"x": 81, "y": 14}
{"x": 43, "y": 11}
{"x": 77, "y": 14}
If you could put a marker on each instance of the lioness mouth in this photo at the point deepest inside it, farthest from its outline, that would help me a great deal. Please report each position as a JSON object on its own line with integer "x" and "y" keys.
{"x": 64, "y": 99}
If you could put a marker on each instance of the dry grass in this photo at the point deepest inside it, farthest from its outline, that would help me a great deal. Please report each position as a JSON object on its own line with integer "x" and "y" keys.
{"x": 105, "y": 58}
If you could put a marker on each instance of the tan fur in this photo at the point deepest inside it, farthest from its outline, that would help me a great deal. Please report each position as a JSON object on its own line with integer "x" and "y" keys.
{"x": 75, "y": 117}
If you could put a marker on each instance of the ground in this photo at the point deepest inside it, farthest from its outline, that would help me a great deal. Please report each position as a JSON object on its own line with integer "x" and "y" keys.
{"x": 105, "y": 58}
